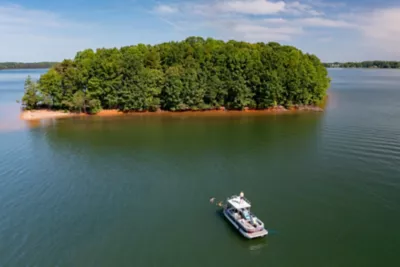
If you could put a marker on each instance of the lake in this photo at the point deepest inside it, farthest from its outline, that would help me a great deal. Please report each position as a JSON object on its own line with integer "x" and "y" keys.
{"x": 134, "y": 191}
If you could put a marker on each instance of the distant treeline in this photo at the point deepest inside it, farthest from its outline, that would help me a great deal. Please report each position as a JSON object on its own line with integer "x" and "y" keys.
{"x": 194, "y": 74}
{"x": 21, "y": 65}
{"x": 365, "y": 64}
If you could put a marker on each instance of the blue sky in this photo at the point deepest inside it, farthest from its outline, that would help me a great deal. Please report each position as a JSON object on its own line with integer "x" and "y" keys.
{"x": 334, "y": 30}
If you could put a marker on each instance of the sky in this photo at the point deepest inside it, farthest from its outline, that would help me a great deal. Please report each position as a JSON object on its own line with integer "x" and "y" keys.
{"x": 334, "y": 30}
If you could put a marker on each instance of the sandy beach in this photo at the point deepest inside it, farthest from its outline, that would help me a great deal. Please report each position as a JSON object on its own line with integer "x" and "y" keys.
{"x": 44, "y": 114}
{"x": 31, "y": 115}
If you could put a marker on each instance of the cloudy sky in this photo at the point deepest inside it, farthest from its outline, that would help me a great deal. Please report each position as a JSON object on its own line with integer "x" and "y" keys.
{"x": 334, "y": 30}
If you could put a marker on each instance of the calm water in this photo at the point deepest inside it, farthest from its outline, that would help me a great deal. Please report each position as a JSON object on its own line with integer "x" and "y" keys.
{"x": 134, "y": 191}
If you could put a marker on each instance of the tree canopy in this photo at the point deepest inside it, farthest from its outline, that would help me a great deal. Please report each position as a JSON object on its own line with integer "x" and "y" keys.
{"x": 194, "y": 74}
{"x": 365, "y": 64}
{"x": 20, "y": 65}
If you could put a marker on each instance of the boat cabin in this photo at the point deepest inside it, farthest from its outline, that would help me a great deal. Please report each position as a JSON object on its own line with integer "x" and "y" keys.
{"x": 239, "y": 205}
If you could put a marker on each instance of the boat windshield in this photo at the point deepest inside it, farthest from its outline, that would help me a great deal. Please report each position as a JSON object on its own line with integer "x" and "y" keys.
{"x": 246, "y": 214}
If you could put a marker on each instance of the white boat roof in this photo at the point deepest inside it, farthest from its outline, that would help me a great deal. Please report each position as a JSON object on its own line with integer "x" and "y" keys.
{"x": 237, "y": 204}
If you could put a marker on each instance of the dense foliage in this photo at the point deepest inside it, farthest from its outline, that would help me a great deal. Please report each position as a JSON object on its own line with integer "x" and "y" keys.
{"x": 19, "y": 65}
{"x": 365, "y": 64}
{"x": 194, "y": 74}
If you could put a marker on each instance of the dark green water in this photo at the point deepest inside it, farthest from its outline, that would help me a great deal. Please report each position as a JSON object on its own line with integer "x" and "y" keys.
{"x": 135, "y": 191}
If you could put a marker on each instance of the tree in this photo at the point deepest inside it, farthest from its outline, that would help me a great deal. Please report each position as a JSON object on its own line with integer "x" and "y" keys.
{"x": 49, "y": 86}
{"x": 31, "y": 98}
{"x": 79, "y": 101}
{"x": 194, "y": 74}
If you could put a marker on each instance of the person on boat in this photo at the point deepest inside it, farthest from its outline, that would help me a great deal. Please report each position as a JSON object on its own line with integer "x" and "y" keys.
{"x": 254, "y": 220}
{"x": 246, "y": 215}
{"x": 241, "y": 197}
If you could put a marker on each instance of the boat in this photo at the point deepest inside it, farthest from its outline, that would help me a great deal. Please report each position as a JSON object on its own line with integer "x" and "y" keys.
{"x": 237, "y": 211}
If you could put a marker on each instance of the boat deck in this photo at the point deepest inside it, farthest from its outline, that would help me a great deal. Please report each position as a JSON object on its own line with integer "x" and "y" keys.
{"x": 247, "y": 224}
{"x": 242, "y": 221}
{"x": 257, "y": 234}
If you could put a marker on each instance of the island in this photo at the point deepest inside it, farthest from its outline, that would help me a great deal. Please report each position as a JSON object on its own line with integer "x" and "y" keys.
{"x": 22, "y": 65}
{"x": 195, "y": 74}
{"x": 376, "y": 64}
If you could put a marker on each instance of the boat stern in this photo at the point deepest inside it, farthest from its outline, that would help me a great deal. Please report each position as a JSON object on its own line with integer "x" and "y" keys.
{"x": 253, "y": 235}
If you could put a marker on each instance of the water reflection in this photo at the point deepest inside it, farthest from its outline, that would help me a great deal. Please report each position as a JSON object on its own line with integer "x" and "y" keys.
{"x": 160, "y": 133}
{"x": 257, "y": 246}
{"x": 11, "y": 90}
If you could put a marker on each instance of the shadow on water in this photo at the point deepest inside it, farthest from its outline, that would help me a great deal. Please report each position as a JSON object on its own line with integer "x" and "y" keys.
{"x": 173, "y": 135}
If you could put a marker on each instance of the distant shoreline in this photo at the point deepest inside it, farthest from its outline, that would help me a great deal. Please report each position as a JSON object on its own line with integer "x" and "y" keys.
{"x": 371, "y": 64}
{"x": 26, "y": 65}
{"x": 30, "y": 115}
{"x": 22, "y": 68}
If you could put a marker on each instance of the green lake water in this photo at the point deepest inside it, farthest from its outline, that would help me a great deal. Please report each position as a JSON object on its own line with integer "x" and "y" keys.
{"x": 134, "y": 191}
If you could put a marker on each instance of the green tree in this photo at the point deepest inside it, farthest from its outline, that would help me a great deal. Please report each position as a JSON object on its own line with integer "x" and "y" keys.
{"x": 49, "y": 86}
{"x": 31, "y": 97}
{"x": 194, "y": 74}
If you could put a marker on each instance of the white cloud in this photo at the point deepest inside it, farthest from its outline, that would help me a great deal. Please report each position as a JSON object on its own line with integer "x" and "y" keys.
{"x": 165, "y": 9}
{"x": 257, "y": 7}
{"x": 173, "y": 24}
{"x": 324, "y": 22}
{"x": 32, "y": 35}
{"x": 252, "y": 7}
{"x": 275, "y": 21}
{"x": 255, "y": 30}
{"x": 36, "y": 35}
{"x": 311, "y": 22}
{"x": 380, "y": 29}
{"x": 16, "y": 15}
{"x": 252, "y": 20}
{"x": 326, "y": 4}
{"x": 297, "y": 8}
{"x": 325, "y": 39}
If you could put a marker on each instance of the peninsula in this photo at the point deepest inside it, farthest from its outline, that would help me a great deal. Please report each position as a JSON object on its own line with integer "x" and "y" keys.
{"x": 376, "y": 64}
{"x": 192, "y": 75}
{"x": 23, "y": 65}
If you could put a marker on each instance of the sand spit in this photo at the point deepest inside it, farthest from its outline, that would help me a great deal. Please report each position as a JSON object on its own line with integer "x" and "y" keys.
{"x": 49, "y": 114}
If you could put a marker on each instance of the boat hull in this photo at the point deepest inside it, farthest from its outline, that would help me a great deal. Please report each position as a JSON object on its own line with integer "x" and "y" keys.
{"x": 252, "y": 235}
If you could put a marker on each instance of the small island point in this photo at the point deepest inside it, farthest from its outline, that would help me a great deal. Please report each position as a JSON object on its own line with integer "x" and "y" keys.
{"x": 194, "y": 76}
{"x": 41, "y": 114}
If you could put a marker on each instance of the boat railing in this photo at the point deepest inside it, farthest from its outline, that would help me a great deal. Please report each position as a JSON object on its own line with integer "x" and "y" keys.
{"x": 235, "y": 196}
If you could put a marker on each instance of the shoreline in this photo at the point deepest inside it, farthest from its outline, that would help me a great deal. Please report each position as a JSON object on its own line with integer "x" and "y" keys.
{"x": 41, "y": 114}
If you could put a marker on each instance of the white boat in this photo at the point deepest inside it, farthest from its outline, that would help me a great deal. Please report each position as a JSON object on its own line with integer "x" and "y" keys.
{"x": 237, "y": 211}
